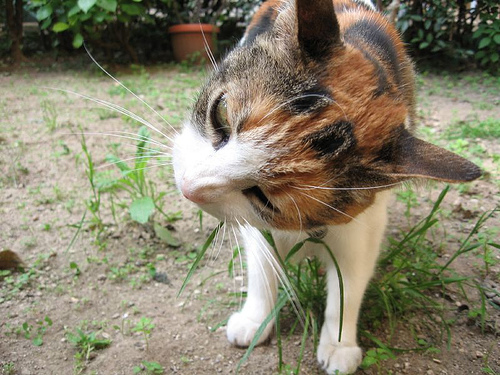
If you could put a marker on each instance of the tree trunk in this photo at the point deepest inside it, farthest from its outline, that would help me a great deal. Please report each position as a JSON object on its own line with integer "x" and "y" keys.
{"x": 14, "y": 16}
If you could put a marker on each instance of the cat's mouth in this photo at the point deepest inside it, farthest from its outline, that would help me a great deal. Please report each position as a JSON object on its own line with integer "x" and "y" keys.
{"x": 255, "y": 194}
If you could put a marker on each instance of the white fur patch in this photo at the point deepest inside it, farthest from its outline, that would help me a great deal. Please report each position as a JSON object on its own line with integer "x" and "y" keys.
{"x": 215, "y": 179}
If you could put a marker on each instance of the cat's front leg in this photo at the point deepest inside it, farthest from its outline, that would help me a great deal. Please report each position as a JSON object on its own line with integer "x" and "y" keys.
{"x": 356, "y": 248}
{"x": 262, "y": 290}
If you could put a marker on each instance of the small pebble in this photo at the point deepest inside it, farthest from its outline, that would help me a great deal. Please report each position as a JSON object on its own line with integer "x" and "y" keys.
{"x": 479, "y": 354}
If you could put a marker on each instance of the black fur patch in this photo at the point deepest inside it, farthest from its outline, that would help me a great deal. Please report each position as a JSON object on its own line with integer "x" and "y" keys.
{"x": 332, "y": 139}
{"x": 310, "y": 101}
{"x": 390, "y": 151}
{"x": 265, "y": 24}
{"x": 370, "y": 33}
{"x": 318, "y": 28}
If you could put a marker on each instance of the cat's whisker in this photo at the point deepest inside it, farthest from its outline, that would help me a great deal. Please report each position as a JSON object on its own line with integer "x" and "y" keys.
{"x": 299, "y": 215}
{"x": 231, "y": 260}
{"x": 208, "y": 50}
{"x": 282, "y": 277}
{"x": 212, "y": 248}
{"x": 240, "y": 262}
{"x": 120, "y": 135}
{"x": 130, "y": 91}
{"x": 268, "y": 292}
{"x": 142, "y": 138}
{"x": 150, "y": 167}
{"x": 127, "y": 159}
{"x": 221, "y": 243}
{"x": 154, "y": 152}
{"x": 333, "y": 208}
{"x": 309, "y": 187}
{"x": 114, "y": 107}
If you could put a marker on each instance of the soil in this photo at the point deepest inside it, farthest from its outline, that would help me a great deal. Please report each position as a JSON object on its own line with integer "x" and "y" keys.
{"x": 77, "y": 282}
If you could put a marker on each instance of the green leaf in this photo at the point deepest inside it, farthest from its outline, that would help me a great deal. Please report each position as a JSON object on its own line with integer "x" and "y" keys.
{"x": 423, "y": 45}
{"x": 76, "y": 9}
{"x": 141, "y": 209}
{"x": 122, "y": 166}
{"x": 199, "y": 257}
{"x": 109, "y": 5}
{"x": 99, "y": 17}
{"x": 368, "y": 361}
{"x": 38, "y": 341}
{"x": 60, "y": 26}
{"x": 496, "y": 38}
{"x": 44, "y": 12}
{"x": 165, "y": 235}
{"x": 78, "y": 40}
{"x": 494, "y": 57}
{"x": 133, "y": 9}
{"x": 484, "y": 42}
{"x": 86, "y": 5}
{"x": 45, "y": 24}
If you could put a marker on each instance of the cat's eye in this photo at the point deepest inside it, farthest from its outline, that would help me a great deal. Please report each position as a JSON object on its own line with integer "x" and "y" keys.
{"x": 220, "y": 121}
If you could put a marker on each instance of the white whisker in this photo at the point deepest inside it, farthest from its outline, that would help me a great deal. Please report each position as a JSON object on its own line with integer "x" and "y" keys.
{"x": 282, "y": 277}
{"x": 333, "y": 208}
{"x": 119, "y": 135}
{"x": 130, "y": 91}
{"x": 207, "y": 49}
{"x": 298, "y": 214}
{"x": 127, "y": 159}
{"x": 114, "y": 107}
{"x": 240, "y": 261}
{"x": 150, "y": 167}
{"x": 309, "y": 187}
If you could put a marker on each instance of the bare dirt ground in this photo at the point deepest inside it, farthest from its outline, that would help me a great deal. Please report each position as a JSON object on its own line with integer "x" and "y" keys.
{"x": 107, "y": 286}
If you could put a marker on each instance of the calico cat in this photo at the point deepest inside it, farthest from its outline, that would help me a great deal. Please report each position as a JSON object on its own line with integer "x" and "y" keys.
{"x": 302, "y": 130}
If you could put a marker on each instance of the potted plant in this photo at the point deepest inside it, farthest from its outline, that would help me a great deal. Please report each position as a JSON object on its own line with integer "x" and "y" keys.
{"x": 196, "y": 28}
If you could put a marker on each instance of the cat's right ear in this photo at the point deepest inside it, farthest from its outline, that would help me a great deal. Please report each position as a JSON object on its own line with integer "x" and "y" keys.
{"x": 318, "y": 30}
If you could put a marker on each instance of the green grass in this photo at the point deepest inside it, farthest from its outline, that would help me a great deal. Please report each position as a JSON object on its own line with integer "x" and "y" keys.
{"x": 487, "y": 129}
{"x": 85, "y": 343}
{"x": 409, "y": 274}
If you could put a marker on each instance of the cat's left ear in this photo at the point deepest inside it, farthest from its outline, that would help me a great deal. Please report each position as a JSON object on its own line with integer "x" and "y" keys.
{"x": 414, "y": 158}
{"x": 318, "y": 30}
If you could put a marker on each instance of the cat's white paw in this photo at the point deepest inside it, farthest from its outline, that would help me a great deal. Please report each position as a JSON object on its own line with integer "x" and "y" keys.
{"x": 344, "y": 358}
{"x": 241, "y": 330}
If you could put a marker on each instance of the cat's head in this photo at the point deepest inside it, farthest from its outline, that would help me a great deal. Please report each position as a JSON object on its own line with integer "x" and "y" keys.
{"x": 299, "y": 127}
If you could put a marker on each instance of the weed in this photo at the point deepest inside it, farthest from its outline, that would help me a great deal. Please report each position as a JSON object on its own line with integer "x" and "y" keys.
{"x": 93, "y": 204}
{"x": 144, "y": 326}
{"x": 376, "y": 357}
{"x": 76, "y": 270}
{"x": 35, "y": 332}
{"x": 49, "y": 114}
{"x": 488, "y": 129}
{"x": 408, "y": 274}
{"x": 85, "y": 344}
{"x": 150, "y": 368}
{"x": 145, "y": 199}
{"x": 409, "y": 198}
{"x": 8, "y": 368}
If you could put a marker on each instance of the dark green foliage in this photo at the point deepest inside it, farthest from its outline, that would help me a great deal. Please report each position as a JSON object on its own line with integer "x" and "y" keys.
{"x": 436, "y": 29}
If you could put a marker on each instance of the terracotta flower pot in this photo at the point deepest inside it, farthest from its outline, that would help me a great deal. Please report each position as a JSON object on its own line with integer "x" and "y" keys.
{"x": 188, "y": 41}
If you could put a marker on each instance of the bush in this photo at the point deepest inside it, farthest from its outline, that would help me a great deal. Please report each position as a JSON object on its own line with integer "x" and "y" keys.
{"x": 437, "y": 29}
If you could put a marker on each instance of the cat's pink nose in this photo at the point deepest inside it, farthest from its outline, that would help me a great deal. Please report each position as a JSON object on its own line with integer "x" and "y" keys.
{"x": 192, "y": 193}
